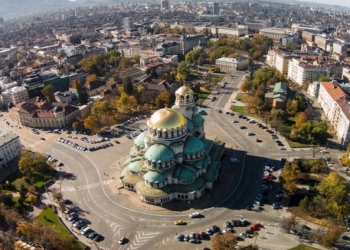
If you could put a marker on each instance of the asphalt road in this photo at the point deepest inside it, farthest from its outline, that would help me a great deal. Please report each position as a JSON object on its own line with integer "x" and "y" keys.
{"x": 116, "y": 212}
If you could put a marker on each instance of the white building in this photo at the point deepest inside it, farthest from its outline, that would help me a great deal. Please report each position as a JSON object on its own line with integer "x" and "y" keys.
{"x": 231, "y": 64}
{"x": 300, "y": 72}
{"x": 279, "y": 60}
{"x": 14, "y": 95}
{"x": 10, "y": 148}
{"x": 314, "y": 89}
{"x": 336, "y": 108}
{"x": 346, "y": 74}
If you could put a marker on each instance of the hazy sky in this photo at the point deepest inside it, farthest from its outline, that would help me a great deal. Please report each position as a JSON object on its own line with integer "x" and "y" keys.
{"x": 345, "y": 3}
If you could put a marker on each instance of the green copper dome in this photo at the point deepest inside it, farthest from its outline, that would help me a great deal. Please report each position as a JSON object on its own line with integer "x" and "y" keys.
{"x": 193, "y": 145}
{"x": 159, "y": 153}
{"x": 198, "y": 120}
{"x": 190, "y": 125}
{"x": 187, "y": 174}
{"x": 154, "y": 177}
{"x": 135, "y": 166}
{"x": 140, "y": 139}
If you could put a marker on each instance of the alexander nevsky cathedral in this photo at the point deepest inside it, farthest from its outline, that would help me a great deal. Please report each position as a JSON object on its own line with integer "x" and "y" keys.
{"x": 172, "y": 159}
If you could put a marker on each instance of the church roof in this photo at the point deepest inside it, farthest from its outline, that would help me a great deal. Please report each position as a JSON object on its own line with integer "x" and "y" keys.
{"x": 154, "y": 177}
{"x": 140, "y": 139}
{"x": 167, "y": 119}
{"x": 159, "y": 153}
{"x": 193, "y": 145}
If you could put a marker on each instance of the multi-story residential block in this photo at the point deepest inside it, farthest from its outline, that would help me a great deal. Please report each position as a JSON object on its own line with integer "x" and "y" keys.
{"x": 128, "y": 23}
{"x": 164, "y": 4}
{"x": 14, "y": 95}
{"x": 216, "y": 8}
{"x": 10, "y": 148}
{"x": 300, "y": 72}
{"x": 335, "y": 105}
{"x": 279, "y": 60}
{"x": 346, "y": 74}
{"x": 231, "y": 64}
{"x": 323, "y": 42}
{"x": 315, "y": 29}
{"x": 43, "y": 115}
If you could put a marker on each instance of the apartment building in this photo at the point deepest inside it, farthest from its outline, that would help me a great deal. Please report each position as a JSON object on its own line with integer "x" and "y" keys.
{"x": 274, "y": 33}
{"x": 279, "y": 60}
{"x": 300, "y": 71}
{"x": 10, "y": 148}
{"x": 14, "y": 95}
{"x": 232, "y": 64}
{"x": 346, "y": 74}
{"x": 336, "y": 107}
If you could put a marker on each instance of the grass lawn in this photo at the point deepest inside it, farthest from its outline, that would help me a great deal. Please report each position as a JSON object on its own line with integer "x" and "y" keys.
{"x": 49, "y": 218}
{"x": 303, "y": 247}
{"x": 242, "y": 97}
{"x": 294, "y": 144}
{"x": 238, "y": 109}
{"x": 202, "y": 95}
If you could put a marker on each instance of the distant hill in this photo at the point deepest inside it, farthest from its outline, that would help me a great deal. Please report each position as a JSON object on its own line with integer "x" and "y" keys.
{"x": 326, "y": 6}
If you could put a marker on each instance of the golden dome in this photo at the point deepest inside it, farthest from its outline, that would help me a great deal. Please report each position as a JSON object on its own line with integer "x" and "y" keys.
{"x": 184, "y": 90}
{"x": 167, "y": 119}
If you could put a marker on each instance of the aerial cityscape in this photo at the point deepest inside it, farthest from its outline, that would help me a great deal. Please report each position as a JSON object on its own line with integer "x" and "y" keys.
{"x": 167, "y": 125}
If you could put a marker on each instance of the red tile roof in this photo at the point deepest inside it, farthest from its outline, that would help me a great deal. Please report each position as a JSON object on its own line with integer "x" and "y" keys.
{"x": 334, "y": 91}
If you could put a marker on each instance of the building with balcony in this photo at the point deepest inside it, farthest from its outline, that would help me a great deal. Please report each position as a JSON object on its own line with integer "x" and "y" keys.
{"x": 336, "y": 107}
{"x": 14, "y": 95}
{"x": 232, "y": 64}
{"x": 172, "y": 159}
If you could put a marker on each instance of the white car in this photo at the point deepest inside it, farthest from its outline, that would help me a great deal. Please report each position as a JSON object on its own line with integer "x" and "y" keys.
{"x": 194, "y": 215}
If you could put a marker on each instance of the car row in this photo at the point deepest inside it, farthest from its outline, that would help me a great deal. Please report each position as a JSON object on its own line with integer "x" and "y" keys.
{"x": 102, "y": 146}
{"x": 130, "y": 121}
{"x": 72, "y": 144}
{"x": 82, "y": 225}
{"x": 93, "y": 141}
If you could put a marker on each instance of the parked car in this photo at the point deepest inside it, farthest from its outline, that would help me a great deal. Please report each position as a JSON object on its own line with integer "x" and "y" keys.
{"x": 181, "y": 237}
{"x": 179, "y": 222}
{"x": 195, "y": 215}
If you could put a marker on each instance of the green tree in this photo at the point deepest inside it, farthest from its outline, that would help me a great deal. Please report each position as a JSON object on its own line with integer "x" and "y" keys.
{"x": 163, "y": 99}
{"x": 128, "y": 86}
{"x": 48, "y": 92}
{"x": 324, "y": 79}
{"x": 292, "y": 107}
{"x": 183, "y": 71}
{"x": 289, "y": 177}
{"x": 224, "y": 241}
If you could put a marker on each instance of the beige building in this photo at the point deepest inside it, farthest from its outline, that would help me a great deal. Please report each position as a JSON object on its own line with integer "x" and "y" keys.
{"x": 274, "y": 33}
{"x": 279, "y": 60}
{"x": 231, "y": 64}
{"x": 43, "y": 115}
{"x": 14, "y": 95}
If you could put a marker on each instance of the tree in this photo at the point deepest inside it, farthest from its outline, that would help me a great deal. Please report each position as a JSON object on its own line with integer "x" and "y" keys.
{"x": 48, "y": 92}
{"x": 292, "y": 107}
{"x": 300, "y": 119}
{"x": 183, "y": 71}
{"x": 324, "y": 79}
{"x": 287, "y": 223}
{"x": 128, "y": 86}
{"x": 162, "y": 99}
{"x": 245, "y": 86}
{"x": 289, "y": 177}
{"x": 91, "y": 78}
{"x": 224, "y": 241}
{"x": 91, "y": 123}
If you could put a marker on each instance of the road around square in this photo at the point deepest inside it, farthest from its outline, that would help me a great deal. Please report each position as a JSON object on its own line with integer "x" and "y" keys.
{"x": 115, "y": 212}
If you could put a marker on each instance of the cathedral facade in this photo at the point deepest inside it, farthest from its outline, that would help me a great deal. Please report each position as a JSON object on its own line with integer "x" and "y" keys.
{"x": 172, "y": 159}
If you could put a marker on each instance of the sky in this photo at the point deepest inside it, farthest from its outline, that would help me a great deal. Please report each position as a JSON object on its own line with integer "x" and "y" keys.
{"x": 345, "y": 3}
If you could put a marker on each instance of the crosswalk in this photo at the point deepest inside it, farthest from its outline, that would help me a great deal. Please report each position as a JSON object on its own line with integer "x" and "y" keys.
{"x": 87, "y": 186}
{"x": 141, "y": 238}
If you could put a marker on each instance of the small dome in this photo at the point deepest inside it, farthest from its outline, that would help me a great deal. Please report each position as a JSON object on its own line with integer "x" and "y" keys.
{"x": 154, "y": 177}
{"x": 197, "y": 120}
{"x": 167, "y": 119}
{"x": 140, "y": 139}
{"x": 159, "y": 153}
{"x": 184, "y": 90}
{"x": 190, "y": 126}
{"x": 135, "y": 166}
{"x": 193, "y": 145}
{"x": 187, "y": 174}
